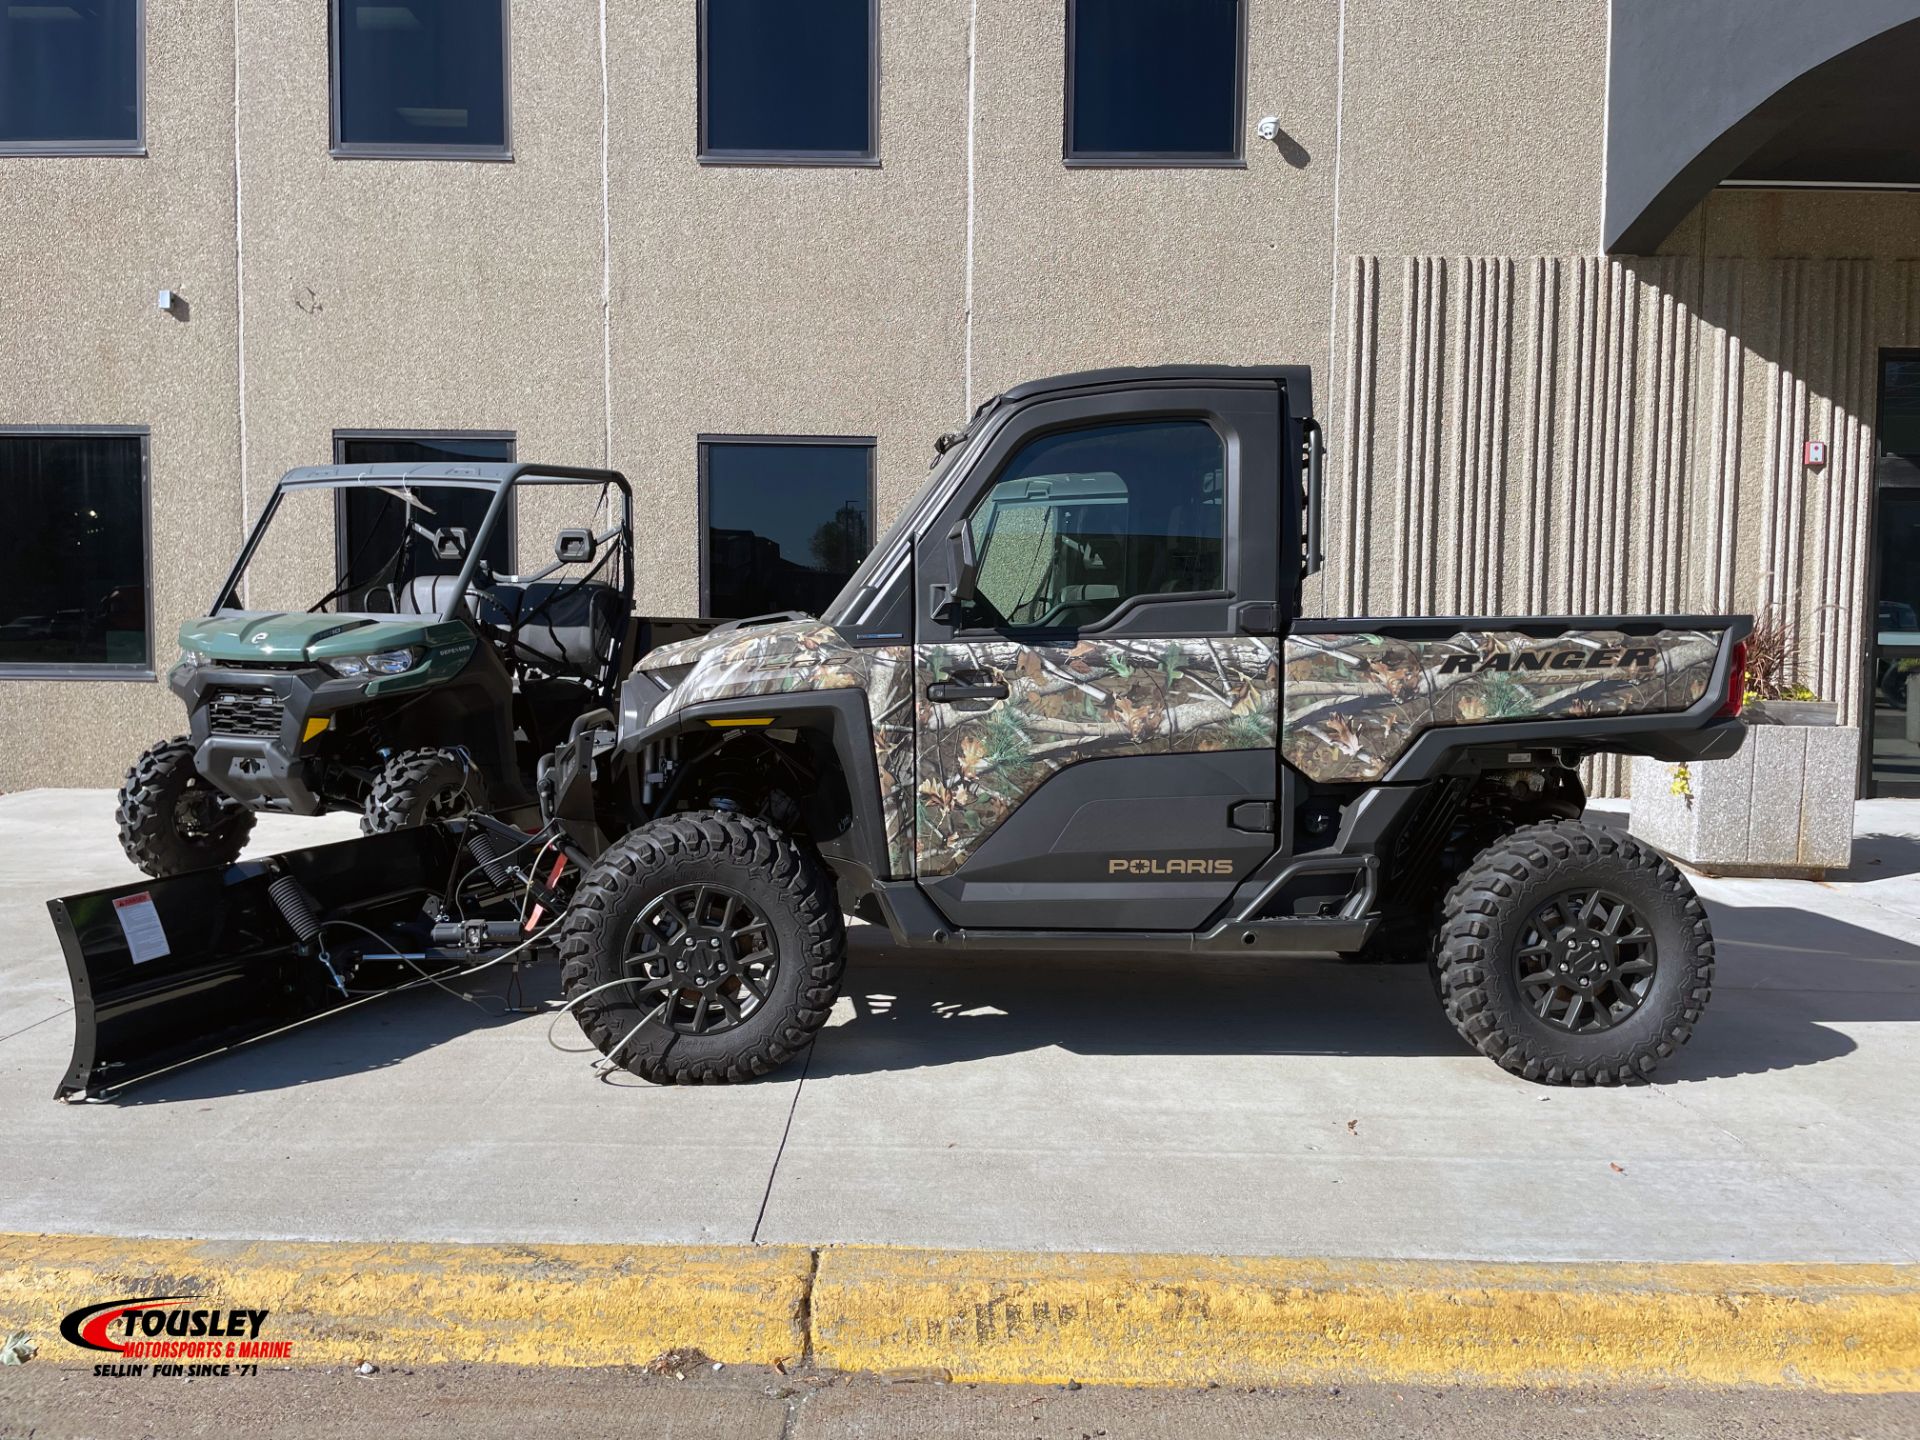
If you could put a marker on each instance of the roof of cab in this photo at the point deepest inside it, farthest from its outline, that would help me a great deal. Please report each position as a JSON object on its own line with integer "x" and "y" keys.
{"x": 1298, "y": 380}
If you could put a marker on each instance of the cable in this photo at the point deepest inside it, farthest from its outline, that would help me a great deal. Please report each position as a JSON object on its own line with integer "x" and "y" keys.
{"x": 607, "y": 1056}
{"x": 455, "y": 897}
{"x": 533, "y": 873}
{"x": 440, "y": 980}
{"x": 428, "y": 978}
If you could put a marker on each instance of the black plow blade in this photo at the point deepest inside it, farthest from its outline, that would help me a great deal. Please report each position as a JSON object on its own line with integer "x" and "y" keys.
{"x": 169, "y": 971}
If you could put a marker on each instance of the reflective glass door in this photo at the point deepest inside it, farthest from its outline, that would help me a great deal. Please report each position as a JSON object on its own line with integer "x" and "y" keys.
{"x": 1893, "y": 759}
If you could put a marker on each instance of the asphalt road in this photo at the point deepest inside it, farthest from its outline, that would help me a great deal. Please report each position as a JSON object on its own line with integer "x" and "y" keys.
{"x": 1056, "y": 1103}
{"x": 481, "y": 1403}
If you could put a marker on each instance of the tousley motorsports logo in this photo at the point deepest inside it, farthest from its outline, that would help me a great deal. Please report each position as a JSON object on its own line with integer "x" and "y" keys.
{"x": 168, "y": 1335}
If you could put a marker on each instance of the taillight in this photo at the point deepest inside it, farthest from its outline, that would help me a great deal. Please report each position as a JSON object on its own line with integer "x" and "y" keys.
{"x": 1736, "y": 683}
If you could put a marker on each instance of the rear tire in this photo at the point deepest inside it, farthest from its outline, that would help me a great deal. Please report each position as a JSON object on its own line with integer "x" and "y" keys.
{"x": 1574, "y": 955}
{"x": 645, "y": 912}
{"x": 419, "y": 787}
{"x": 172, "y": 818}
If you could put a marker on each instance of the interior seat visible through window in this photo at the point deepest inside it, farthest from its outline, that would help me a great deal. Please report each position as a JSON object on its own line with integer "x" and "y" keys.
{"x": 1081, "y": 521}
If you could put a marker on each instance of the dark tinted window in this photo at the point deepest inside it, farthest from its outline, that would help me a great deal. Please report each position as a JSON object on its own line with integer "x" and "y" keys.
{"x": 70, "y": 74}
{"x": 1900, "y": 407}
{"x": 786, "y": 524}
{"x": 370, "y": 528}
{"x": 422, "y": 72}
{"x": 1154, "y": 78}
{"x": 1081, "y": 521}
{"x": 782, "y": 78}
{"x": 73, "y": 553}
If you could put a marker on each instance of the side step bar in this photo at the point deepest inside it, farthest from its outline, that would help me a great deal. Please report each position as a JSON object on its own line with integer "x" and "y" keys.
{"x": 916, "y": 924}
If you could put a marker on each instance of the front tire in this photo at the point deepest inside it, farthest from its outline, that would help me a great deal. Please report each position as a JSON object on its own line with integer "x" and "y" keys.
{"x": 172, "y": 819}
{"x": 1574, "y": 955}
{"x": 419, "y": 787}
{"x": 722, "y": 924}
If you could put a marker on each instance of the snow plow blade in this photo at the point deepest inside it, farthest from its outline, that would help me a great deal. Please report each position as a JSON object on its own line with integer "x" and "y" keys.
{"x": 169, "y": 971}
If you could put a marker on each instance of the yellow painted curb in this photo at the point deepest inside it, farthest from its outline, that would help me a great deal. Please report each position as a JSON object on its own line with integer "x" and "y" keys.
{"x": 422, "y": 1304}
{"x": 1007, "y": 1316}
{"x": 1187, "y": 1320}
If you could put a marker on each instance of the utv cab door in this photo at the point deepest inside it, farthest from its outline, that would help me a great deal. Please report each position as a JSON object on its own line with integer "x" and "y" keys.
{"x": 1097, "y": 724}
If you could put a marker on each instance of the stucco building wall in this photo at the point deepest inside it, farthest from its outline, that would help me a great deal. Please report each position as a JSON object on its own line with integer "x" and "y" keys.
{"x": 1516, "y": 422}
{"x": 86, "y": 244}
{"x": 1577, "y": 433}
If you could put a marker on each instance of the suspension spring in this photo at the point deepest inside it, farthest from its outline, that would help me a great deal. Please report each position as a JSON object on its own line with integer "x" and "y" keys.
{"x": 481, "y": 843}
{"x": 295, "y": 907}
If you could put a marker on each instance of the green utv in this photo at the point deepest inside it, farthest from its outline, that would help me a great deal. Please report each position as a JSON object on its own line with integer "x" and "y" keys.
{"x": 422, "y": 684}
{"x": 1071, "y": 702}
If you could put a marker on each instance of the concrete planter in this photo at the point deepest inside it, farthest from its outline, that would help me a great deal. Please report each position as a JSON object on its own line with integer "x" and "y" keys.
{"x": 1782, "y": 807}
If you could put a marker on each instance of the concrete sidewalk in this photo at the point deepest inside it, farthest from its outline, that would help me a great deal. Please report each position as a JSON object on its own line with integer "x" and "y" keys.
{"x": 1044, "y": 1104}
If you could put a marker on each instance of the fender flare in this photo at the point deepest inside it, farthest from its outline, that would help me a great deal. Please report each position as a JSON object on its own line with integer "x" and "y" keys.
{"x": 858, "y": 853}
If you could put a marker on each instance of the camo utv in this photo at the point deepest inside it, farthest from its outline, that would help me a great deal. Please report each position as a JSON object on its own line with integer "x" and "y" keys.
{"x": 1070, "y": 702}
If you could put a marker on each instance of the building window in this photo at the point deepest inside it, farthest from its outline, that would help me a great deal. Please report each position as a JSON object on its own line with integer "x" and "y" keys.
{"x": 421, "y": 79}
{"x": 370, "y": 521}
{"x": 1082, "y": 521}
{"x": 71, "y": 77}
{"x": 788, "y": 520}
{"x": 782, "y": 82}
{"x": 73, "y": 553}
{"x": 1155, "y": 82}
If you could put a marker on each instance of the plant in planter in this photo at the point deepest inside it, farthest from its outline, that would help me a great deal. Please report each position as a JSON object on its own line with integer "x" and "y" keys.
{"x": 1776, "y": 694}
{"x": 1784, "y": 805}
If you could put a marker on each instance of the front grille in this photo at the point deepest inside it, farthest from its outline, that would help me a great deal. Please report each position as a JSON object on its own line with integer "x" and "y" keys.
{"x": 245, "y": 712}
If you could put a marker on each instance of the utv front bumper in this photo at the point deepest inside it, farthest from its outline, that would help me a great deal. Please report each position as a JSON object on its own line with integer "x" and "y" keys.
{"x": 249, "y": 729}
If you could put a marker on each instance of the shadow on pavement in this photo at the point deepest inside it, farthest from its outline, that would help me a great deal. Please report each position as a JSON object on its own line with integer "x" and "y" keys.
{"x": 377, "y": 1036}
{"x": 1784, "y": 978}
{"x": 1882, "y": 857}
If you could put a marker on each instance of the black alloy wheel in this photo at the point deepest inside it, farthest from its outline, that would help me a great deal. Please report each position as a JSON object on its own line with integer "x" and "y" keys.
{"x": 1572, "y": 954}
{"x": 706, "y": 952}
{"x": 1585, "y": 962}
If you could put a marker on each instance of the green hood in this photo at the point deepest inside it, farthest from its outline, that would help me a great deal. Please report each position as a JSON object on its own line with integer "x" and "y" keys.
{"x": 282, "y": 637}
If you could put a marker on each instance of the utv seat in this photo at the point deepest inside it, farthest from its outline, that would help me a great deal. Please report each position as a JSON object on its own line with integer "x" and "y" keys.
{"x": 568, "y": 626}
{"x": 425, "y": 595}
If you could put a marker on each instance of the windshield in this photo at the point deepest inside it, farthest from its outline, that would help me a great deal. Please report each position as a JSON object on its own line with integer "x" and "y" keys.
{"x": 358, "y": 549}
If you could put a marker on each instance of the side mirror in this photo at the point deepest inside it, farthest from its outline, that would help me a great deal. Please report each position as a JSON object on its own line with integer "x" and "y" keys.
{"x": 450, "y": 543}
{"x": 574, "y": 547}
{"x": 963, "y": 562}
{"x": 966, "y": 561}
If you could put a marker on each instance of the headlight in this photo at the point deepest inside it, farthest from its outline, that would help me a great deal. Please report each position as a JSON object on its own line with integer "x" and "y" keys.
{"x": 381, "y": 662}
{"x": 193, "y": 657}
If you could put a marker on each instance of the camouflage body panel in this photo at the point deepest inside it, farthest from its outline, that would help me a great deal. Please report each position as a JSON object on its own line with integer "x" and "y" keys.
{"x": 1355, "y": 703}
{"x": 890, "y": 707}
{"x": 1071, "y": 701}
{"x": 764, "y": 660}
{"x": 798, "y": 656}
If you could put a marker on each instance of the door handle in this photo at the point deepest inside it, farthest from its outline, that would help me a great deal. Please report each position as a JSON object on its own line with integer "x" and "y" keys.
{"x": 968, "y": 685}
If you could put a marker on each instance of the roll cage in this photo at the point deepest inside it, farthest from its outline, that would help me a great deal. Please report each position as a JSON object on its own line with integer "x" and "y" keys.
{"x": 515, "y": 606}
